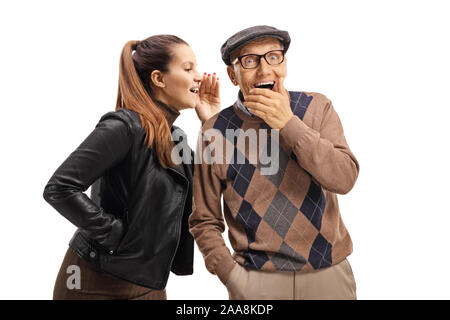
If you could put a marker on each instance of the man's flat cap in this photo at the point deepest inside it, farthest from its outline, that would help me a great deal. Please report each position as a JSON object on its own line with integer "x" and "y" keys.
{"x": 247, "y": 35}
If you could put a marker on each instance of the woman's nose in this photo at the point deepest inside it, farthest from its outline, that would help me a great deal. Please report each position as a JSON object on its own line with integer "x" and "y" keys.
{"x": 198, "y": 77}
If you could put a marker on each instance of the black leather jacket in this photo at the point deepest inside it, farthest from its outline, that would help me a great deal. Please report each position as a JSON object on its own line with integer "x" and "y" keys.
{"x": 137, "y": 229}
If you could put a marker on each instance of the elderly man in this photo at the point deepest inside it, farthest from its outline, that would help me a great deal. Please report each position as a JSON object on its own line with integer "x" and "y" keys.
{"x": 285, "y": 227}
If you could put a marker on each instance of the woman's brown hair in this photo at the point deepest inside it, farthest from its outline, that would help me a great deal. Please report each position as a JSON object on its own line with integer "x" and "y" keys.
{"x": 134, "y": 93}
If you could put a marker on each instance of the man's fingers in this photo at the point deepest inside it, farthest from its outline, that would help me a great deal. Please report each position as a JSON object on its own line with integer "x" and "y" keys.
{"x": 263, "y": 92}
{"x": 258, "y": 98}
{"x": 257, "y": 106}
{"x": 257, "y": 112}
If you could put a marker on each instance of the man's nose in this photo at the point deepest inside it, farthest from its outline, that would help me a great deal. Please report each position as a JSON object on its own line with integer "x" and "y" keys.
{"x": 263, "y": 67}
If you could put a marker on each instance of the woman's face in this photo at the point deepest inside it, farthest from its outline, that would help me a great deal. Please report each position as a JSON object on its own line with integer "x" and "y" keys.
{"x": 182, "y": 80}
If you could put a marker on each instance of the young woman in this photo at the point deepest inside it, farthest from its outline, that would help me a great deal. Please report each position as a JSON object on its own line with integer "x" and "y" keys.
{"x": 134, "y": 230}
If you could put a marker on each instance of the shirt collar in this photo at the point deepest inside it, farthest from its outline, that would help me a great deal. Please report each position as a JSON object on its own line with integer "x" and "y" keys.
{"x": 241, "y": 106}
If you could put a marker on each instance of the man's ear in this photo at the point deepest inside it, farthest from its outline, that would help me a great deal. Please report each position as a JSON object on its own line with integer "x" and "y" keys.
{"x": 232, "y": 75}
{"x": 157, "y": 78}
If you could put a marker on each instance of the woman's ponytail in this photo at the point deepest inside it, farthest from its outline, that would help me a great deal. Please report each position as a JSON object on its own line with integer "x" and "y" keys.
{"x": 134, "y": 96}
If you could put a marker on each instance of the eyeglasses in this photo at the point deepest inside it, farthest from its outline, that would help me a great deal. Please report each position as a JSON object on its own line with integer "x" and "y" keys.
{"x": 252, "y": 61}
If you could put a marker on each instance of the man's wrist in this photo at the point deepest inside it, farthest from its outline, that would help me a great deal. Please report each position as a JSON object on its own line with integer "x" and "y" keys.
{"x": 286, "y": 121}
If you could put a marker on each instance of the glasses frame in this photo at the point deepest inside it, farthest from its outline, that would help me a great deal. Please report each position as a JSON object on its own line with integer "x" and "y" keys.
{"x": 259, "y": 58}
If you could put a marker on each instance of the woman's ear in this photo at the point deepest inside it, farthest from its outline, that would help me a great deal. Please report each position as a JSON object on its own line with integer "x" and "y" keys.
{"x": 232, "y": 75}
{"x": 157, "y": 78}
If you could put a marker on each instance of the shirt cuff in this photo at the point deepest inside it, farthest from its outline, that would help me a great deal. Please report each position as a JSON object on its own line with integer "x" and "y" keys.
{"x": 222, "y": 263}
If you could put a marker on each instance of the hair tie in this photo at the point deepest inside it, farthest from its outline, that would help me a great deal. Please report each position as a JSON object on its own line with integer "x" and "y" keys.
{"x": 136, "y": 44}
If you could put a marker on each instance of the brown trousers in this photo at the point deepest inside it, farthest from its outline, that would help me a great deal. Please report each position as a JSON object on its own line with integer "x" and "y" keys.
{"x": 93, "y": 284}
{"x": 333, "y": 283}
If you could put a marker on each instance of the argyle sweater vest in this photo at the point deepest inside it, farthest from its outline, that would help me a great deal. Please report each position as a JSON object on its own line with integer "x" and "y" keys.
{"x": 283, "y": 219}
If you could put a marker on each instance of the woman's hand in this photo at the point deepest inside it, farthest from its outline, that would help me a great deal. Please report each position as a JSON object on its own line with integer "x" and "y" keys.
{"x": 209, "y": 97}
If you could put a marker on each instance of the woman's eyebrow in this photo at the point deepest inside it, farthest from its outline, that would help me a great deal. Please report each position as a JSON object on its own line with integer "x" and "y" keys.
{"x": 190, "y": 63}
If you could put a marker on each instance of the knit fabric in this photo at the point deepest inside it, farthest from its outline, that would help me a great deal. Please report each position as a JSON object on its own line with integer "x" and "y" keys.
{"x": 287, "y": 221}
{"x": 170, "y": 113}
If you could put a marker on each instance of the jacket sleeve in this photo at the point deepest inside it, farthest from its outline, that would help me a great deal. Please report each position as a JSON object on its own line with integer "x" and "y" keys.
{"x": 206, "y": 221}
{"x": 325, "y": 154}
{"x": 104, "y": 148}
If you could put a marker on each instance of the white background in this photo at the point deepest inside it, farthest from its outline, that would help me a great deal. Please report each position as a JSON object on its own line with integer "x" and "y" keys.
{"x": 384, "y": 64}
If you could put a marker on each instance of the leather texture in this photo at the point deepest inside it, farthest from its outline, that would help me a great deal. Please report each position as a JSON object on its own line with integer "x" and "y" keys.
{"x": 135, "y": 224}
